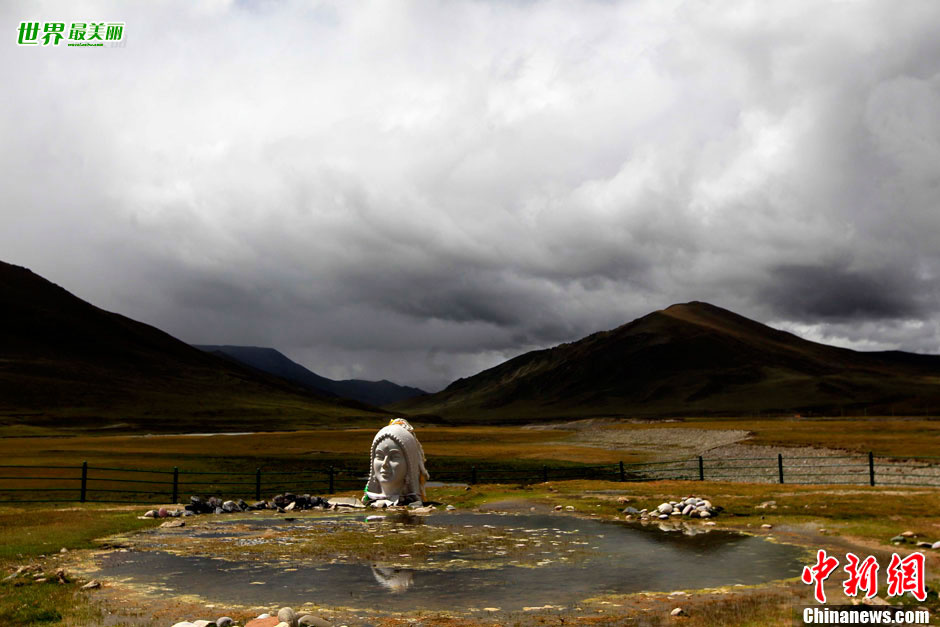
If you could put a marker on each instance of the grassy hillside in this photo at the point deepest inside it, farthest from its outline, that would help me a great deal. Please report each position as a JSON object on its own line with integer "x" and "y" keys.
{"x": 65, "y": 363}
{"x": 690, "y": 359}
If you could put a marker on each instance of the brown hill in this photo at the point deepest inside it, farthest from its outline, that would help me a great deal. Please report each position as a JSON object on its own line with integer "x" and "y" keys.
{"x": 67, "y": 363}
{"x": 688, "y": 359}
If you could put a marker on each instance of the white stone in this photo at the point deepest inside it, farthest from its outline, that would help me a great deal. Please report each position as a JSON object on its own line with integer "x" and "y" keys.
{"x": 344, "y": 501}
{"x": 287, "y": 615}
{"x": 665, "y": 508}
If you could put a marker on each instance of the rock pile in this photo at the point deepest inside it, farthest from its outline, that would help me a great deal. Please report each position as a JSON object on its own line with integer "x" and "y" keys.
{"x": 286, "y": 617}
{"x": 213, "y": 505}
{"x": 691, "y": 506}
{"x": 909, "y": 537}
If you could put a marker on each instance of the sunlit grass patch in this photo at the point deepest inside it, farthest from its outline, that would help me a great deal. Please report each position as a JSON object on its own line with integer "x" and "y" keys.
{"x": 26, "y": 602}
{"x": 27, "y": 532}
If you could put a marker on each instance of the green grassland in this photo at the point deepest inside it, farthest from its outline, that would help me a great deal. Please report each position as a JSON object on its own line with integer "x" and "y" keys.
{"x": 863, "y": 515}
{"x": 817, "y": 516}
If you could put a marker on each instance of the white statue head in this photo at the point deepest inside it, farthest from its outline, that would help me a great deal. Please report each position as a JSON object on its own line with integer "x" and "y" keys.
{"x": 397, "y": 468}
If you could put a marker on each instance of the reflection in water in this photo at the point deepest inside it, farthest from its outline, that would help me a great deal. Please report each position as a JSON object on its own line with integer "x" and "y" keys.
{"x": 395, "y": 579}
{"x": 614, "y": 558}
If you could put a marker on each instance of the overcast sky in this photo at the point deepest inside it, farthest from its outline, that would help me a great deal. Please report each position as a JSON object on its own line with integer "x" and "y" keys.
{"x": 420, "y": 190}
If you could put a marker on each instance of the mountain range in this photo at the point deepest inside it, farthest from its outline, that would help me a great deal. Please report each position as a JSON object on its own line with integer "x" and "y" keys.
{"x": 274, "y": 362}
{"x": 688, "y": 359}
{"x": 65, "y": 363}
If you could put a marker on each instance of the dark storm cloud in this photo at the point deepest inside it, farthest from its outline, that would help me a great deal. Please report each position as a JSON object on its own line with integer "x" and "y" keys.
{"x": 418, "y": 191}
{"x": 828, "y": 294}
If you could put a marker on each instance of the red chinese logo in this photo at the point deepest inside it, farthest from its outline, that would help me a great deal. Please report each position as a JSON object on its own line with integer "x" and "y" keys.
{"x": 819, "y": 572}
{"x": 904, "y": 575}
{"x": 862, "y": 576}
{"x": 907, "y": 575}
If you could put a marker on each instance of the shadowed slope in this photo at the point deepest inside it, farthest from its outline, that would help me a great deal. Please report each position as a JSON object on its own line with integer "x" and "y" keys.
{"x": 688, "y": 359}
{"x": 67, "y": 363}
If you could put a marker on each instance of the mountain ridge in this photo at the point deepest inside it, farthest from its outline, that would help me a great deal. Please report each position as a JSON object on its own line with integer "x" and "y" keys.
{"x": 690, "y": 358}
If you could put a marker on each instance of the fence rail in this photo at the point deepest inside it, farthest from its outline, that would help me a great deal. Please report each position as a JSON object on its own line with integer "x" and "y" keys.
{"x": 98, "y": 484}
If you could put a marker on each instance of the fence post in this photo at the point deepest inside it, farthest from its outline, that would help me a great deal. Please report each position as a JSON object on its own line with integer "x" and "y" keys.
{"x": 623, "y": 477}
{"x": 331, "y": 480}
{"x": 176, "y": 484}
{"x": 871, "y": 468}
{"x": 780, "y": 465}
{"x": 257, "y": 484}
{"x": 84, "y": 480}
{"x": 473, "y": 475}
{"x": 544, "y": 474}
{"x": 701, "y": 468}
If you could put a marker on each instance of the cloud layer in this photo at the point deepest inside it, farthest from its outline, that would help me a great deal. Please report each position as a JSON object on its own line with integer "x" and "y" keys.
{"x": 417, "y": 191}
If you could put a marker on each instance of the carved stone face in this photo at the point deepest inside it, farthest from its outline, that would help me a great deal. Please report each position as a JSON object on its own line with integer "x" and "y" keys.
{"x": 390, "y": 467}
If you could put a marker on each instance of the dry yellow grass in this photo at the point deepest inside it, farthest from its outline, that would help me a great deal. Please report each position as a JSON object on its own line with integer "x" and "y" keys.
{"x": 884, "y": 436}
{"x": 484, "y": 443}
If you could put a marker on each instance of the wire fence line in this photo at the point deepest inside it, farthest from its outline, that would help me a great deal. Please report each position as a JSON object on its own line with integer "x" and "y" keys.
{"x": 103, "y": 484}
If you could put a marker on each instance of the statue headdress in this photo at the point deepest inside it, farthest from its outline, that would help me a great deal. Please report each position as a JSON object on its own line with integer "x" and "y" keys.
{"x": 402, "y": 433}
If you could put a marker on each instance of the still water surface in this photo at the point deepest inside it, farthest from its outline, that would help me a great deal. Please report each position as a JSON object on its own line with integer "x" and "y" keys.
{"x": 624, "y": 558}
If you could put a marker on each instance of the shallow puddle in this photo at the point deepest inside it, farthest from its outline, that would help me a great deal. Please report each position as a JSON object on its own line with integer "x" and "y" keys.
{"x": 504, "y": 561}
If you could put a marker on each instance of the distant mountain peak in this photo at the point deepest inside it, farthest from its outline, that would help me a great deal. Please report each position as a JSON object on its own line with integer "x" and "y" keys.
{"x": 274, "y": 362}
{"x": 687, "y": 359}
